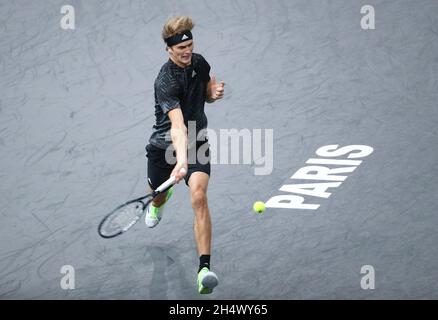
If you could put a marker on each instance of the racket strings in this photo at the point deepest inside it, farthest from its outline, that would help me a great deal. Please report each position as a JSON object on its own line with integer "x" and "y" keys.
{"x": 123, "y": 218}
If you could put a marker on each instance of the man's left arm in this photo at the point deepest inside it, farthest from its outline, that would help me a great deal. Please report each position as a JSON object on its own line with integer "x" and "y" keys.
{"x": 215, "y": 91}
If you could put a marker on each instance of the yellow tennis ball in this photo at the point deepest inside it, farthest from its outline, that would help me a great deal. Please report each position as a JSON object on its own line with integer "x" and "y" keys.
{"x": 259, "y": 206}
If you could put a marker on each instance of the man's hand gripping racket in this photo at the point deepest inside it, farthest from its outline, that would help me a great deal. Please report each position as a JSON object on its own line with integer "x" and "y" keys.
{"x": 122, "y": 218}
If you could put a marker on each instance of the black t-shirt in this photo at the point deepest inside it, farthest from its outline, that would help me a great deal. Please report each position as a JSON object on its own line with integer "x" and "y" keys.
{"x": 184, "y": 88}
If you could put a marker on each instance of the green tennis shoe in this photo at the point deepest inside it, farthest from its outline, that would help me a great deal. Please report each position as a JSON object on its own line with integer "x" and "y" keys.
{"x": 154, "y": 214}
{"x": 207, "y": 280}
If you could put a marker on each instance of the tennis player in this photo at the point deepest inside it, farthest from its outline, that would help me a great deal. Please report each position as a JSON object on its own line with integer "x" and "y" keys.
{"x": 182, "y": 87}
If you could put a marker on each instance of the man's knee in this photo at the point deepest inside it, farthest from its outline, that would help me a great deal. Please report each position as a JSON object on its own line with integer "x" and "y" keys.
{"x": 199, "y": 198}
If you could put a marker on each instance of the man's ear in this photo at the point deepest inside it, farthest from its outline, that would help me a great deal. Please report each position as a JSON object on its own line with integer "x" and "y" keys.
{"x": 169, "y": 50}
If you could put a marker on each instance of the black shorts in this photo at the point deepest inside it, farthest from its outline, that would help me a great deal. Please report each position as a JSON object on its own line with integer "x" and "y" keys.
{"x": 159, "y": 169}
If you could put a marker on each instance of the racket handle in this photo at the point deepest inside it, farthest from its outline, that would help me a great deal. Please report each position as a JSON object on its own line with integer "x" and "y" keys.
{"x": 168, "y": 183}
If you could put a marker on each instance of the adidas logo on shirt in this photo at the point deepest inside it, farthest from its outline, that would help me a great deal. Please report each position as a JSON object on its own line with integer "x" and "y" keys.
{"x": 193, "y": 74}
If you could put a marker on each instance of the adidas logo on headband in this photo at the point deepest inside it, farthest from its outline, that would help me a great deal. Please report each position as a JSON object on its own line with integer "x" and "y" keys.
{"x": 178, "y": 38}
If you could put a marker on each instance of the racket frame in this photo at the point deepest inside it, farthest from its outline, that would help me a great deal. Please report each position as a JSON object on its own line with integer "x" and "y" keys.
{"x": 162, "y": 188}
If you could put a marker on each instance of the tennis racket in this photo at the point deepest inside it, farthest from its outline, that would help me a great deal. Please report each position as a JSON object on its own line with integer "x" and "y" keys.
{"x": 125, "y": 216}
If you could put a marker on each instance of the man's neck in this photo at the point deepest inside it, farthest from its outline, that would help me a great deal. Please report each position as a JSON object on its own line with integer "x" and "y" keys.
{"x": 179, "y": 64}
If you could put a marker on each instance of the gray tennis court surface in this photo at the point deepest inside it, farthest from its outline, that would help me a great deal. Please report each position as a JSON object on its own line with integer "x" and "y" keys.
{"x": 77, "y": 108}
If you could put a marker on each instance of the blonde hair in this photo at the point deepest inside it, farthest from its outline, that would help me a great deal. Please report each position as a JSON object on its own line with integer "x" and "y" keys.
{"x": 176, "y": 25}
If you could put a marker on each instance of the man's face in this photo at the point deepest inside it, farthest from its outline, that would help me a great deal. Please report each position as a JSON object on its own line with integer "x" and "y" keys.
{"x": 181, "y": 53}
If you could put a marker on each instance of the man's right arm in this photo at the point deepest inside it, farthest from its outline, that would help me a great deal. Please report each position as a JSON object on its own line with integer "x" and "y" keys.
{"x": 178, "y": 133}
